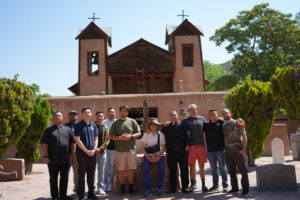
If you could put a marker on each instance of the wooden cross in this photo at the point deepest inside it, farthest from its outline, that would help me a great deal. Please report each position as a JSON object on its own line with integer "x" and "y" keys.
{"x": 93, "y": 18}
{"x": 182, "y": 15}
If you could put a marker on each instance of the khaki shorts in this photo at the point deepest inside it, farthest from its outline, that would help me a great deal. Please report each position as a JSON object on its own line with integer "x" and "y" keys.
{"x": 126, "y": 160}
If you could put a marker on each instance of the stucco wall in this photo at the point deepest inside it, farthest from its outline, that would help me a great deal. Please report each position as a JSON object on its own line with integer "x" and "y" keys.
{"x": 164, "y": 102}
{"x": 94, "y": 84}
{"x": 192, "y": 76}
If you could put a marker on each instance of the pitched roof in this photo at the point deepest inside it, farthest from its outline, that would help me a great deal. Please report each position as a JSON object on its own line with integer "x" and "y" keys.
{"x": 92, "y": 31}
{"x": 185, "y": 28}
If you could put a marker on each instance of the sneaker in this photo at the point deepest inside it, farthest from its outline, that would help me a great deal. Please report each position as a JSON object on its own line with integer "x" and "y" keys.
{"x": 109, "y": 188}
{"x": 100, "y": 191}
{"x": 225, "y": 189}
{"x": 232, "y": 191}
{"x": 147, "y": 193}
{"x": 65, "y": 197}
{"x": 171, "y": 190}
{"x": 121, "y": 192}
{"x": 213, "y": 188}
{"x": 245, "y": 193}
{"x": 132, "y": 192}
{"x": 159, "y": 192}
{"x": 185, "y": 191}
{"x": 92, "y": 196}
{"x": 204, "y": 189}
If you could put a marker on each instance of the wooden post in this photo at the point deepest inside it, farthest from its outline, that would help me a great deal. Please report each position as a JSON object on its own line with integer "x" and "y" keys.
{"x": 145, "y": 114}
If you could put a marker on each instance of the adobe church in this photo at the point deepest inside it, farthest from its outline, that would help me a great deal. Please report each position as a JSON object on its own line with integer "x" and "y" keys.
{"x": 142, "y": 67}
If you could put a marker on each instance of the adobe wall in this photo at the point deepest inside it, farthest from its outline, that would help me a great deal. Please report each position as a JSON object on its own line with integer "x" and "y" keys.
{"x": 280, "y": 131}
{"x": 164, "y": 102}
{"x": 94, "y": 84}
{"x": 192, "y": 76}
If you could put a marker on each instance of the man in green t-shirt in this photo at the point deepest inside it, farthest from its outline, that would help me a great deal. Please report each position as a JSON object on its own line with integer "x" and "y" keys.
{"x": 235, "y": 149}
{"x": 124, "y": 131}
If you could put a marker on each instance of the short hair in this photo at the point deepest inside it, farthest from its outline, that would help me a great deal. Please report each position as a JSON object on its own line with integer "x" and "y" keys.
{"x": 98, "y": 112}
{"x": 226, "y": 110}
{"x": 85, "y": 108}
{"x": 57, "y": 111}
{"x": 212, "y": 110}
{"x": 170, "y": 113}
{"x": 124, "y": 106}
{"x": 110, "y": 108}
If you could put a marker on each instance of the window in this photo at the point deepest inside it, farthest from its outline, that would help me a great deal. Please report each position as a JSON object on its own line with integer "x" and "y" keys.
{"x": 187, "y": 55}
{"x": 93, "y": 63}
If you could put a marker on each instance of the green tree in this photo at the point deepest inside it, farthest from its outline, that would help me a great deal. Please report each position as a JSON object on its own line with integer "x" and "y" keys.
{"x": 225, "y": 82}
{"x": 15, "y": 111}
{"x": 28, "y": 145}
{"x": 285, "y": 84}
{"x": 261, "y": 39}
{"x": 254, "y": 102}
{"x": 212, "y": 72}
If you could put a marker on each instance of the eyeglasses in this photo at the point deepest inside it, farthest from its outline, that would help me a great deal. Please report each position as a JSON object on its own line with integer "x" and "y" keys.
{"x": 184, "y": 113}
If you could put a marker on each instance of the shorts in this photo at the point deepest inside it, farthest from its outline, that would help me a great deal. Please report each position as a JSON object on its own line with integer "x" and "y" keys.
{"x": 126, "y": 160}
{"x": 197, "y": 152}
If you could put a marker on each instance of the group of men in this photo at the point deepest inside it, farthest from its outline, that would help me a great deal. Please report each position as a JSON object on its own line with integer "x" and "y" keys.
{"x": 104, "y": 143}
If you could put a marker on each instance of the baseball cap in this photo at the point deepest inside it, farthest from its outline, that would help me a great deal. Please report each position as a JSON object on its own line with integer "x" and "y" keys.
{"x": 192, "y": 106}
{"x": 73, "y": 112}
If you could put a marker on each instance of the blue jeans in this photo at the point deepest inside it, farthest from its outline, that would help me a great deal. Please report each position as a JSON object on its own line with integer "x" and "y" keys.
{"x": 101, "y": 163}
{"x": 161, "y": 173}
{"x": 216, "y": 158}
{"x": 109, "y": 167}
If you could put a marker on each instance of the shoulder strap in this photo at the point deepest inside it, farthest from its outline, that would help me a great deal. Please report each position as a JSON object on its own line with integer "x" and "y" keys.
{"x": 158, "y": 141}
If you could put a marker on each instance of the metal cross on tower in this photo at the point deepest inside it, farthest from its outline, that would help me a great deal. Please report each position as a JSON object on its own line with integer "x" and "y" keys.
{"x": 94, "y": 17}
{"x": 182, "y": 15}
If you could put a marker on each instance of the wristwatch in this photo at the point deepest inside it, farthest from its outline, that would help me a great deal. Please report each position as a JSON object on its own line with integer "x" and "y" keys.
{"x": 132, "y": 137}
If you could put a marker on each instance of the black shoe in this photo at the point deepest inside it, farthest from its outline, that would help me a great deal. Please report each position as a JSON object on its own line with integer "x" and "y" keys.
{"x": 92, "y": 196}
{"x": 213, "y": 188}
{"x": 245, "y": 193}
{"x": 54, "y": 198}
{"x": 65, "y": 197}
{"x": 204, "y": 189}
{"x": 80, "y": 198}
{"x": 171, "y": 190}
{"x": 232, "y": 191}
{"x": 185, "y": 191}
{"x": 132, "y": 191}
{"x": 121, "y": 192}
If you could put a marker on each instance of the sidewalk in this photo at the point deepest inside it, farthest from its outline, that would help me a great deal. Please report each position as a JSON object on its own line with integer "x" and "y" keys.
{"x": 36, "y": 187}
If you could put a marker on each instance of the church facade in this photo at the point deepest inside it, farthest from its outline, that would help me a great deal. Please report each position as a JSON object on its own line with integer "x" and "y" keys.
{"x": 141, "y": 67}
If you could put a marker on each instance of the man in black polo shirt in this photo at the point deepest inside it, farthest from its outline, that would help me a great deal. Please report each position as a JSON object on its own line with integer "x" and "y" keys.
{"x": 56, "y": 146}
{"x": 215, "y": 149}
{"x": 86, "y": 137}
{"x": 176, "y": 142}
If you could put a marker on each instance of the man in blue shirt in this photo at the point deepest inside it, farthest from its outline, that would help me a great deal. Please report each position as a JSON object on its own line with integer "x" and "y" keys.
{"x": 86, "y": 137}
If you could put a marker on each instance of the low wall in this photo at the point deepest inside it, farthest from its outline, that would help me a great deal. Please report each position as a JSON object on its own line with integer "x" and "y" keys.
{"x": 164, "y": 102}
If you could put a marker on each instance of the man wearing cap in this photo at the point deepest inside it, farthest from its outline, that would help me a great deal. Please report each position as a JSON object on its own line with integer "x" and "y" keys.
{"x": 72, "y": 121}
{"x": 176, "y": 142}
{"x": 124, "y": 131}
{"x": 153, "y": 139}
{"x": 193, "y": 126}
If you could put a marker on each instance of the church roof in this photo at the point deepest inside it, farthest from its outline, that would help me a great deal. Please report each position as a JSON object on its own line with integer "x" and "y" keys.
{"x": 141, "y": 54}
{"x": 92, "y": 31}
{"x": 185, "y": 28}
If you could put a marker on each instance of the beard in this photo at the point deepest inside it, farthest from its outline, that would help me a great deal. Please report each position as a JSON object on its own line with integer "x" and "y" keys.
{"x": 227, "y": 117}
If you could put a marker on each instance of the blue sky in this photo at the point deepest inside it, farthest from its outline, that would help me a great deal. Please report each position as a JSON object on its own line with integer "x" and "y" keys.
{"x": 37, "y": 37}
